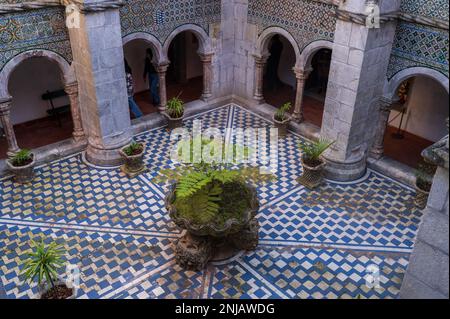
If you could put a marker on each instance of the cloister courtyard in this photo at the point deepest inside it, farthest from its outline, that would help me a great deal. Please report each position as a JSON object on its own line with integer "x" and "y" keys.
{"x": 313, "y": 244}
{"x": 340, "y": 109}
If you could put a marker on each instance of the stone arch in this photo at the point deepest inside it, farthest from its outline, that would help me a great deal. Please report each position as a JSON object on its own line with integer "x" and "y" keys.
{"x": 262, "y": 44}
{"x": 311, "y": 49}
{"x": 67, "y": 72}
{"x": 390, "y": 89}
{"x": 203, "y": 38}
{"x": 151, "y": 40}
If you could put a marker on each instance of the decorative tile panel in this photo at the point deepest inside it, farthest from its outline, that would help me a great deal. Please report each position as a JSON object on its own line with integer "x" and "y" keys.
{"x": 416, "y": 45}
{"x": 36, "y": 29}
{"x": 432, "y": 9}
{"x": 161, "y": 17}
{"x": 306, "y": 20}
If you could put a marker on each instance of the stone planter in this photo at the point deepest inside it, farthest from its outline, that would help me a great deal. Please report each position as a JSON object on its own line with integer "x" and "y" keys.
{"x": 174, "y": 123}
{"x": 421, "y": 198}
{"x": 312, "y": 176}
{"x": 198, "y": 245}
{"x": 281, "y": 126}
{"x": 23, "y": 174}
{"x": 134, "y": 164}
{"x": 44, "y": 287}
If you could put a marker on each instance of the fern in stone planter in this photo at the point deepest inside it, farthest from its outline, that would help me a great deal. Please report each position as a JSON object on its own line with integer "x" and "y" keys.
{"x": 313, "y": 163}
{"x": 214, "y": 204}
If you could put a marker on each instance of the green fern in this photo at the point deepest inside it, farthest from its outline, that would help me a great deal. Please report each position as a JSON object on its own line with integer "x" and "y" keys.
{"x": 191, "y": 183}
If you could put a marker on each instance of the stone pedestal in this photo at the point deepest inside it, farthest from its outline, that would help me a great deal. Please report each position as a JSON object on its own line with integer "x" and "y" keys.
{"x": 99, "y": 65}
{"x": 359, "y": 64}
{"x": 5, "y": 120}
{"x": 194, "y": 252}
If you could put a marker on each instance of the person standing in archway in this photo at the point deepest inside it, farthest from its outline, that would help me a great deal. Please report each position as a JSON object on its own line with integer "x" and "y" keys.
{"x": 153, "y": 80}
{"x": 276, "y": 48}
{"x": 134, "y": 108}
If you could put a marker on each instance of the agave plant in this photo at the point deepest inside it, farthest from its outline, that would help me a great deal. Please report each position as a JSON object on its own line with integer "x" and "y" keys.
{"x": 280, "y": 114}
{"x": 22, "y": 157}
{"x": 133, "y": 149}
{"x": 175, "y": 107}
{"x": 313, "y": 151}
{"x": 43, "y": 262}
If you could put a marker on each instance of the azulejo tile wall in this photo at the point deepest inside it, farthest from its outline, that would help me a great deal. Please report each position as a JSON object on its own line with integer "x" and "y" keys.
{"x": 36, "y": 29}
{"x": 431, "y": 9}
{"x": 416, "y": 45}
{"x": 161, "y": 17}
{"x": 306, "y": 20}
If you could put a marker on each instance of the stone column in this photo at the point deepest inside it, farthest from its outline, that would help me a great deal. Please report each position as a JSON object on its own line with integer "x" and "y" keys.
{"x": 427, "y": 274}
{"x": 302, "y": 76}
{"x": 361, "y": 51}
{"x": 99, "y": 66}
{"x": 377, "y": 149}
{"x": 162, "y": 70}
{"x": 5, "y": 120}
{"x": 260, "y": 63}
{"x": 72, "y": 91}
{"x": 207, "y": 75}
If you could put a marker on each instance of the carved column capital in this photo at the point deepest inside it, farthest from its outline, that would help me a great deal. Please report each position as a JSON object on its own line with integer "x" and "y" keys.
{"x": 261, "y": 60}
{"x": 386, "y": 104}
{"x": 162, "y": 67}
{"x": 71, "y": 88}
{"x": 302, "y": 74}
{"x": 5, "y": 106}
{"x": 206, "y": 57}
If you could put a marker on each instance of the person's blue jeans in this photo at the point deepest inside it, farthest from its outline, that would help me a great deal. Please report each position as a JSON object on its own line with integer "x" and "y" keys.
{"x": 134, "y": 108}
{"x": 153, "y": 81}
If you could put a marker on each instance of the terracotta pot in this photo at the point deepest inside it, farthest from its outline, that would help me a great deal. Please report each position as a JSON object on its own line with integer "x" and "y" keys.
{"x": 231, "y": 226}
{"x": 44, "y": 287}
{"x": 421, "y": 198}
{"x": 281, "y": 126}
{"x": 173, "y": 122}
{"x": 23, "y": 174}
{"x": 312, "y": 176}
{"x": 134, "y": 164}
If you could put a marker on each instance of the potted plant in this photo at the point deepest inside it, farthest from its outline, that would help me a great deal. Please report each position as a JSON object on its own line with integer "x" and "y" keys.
{"x": 175, "y": 112}
{"x": 42, "y": 265}
{"x": 424, "y": 180}
{"x": 281, "y": 119}
{"x": 133, "y": 155}
{"x": 22, "y": 166}
{"x": 313, "y": 163}
{"x": 215, "y": 205}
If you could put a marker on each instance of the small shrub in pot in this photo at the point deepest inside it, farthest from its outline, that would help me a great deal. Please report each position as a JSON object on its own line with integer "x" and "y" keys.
{"x": 313, "y": 163}
{"x": 22, "y": 166}
{"x": 175, "y": 112}
{"x": 424, "y": 180}
{"x": 133, "y": 155}
{"x": 42, "y": 266}
{"x": 281, "y": 119}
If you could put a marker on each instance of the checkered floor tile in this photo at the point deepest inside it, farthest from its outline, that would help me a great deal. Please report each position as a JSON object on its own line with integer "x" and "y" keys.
{"x": 314, "y": 244}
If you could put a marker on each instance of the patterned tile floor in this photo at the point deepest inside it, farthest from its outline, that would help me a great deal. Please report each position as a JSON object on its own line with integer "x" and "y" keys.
{"x": 313, "y": 244}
